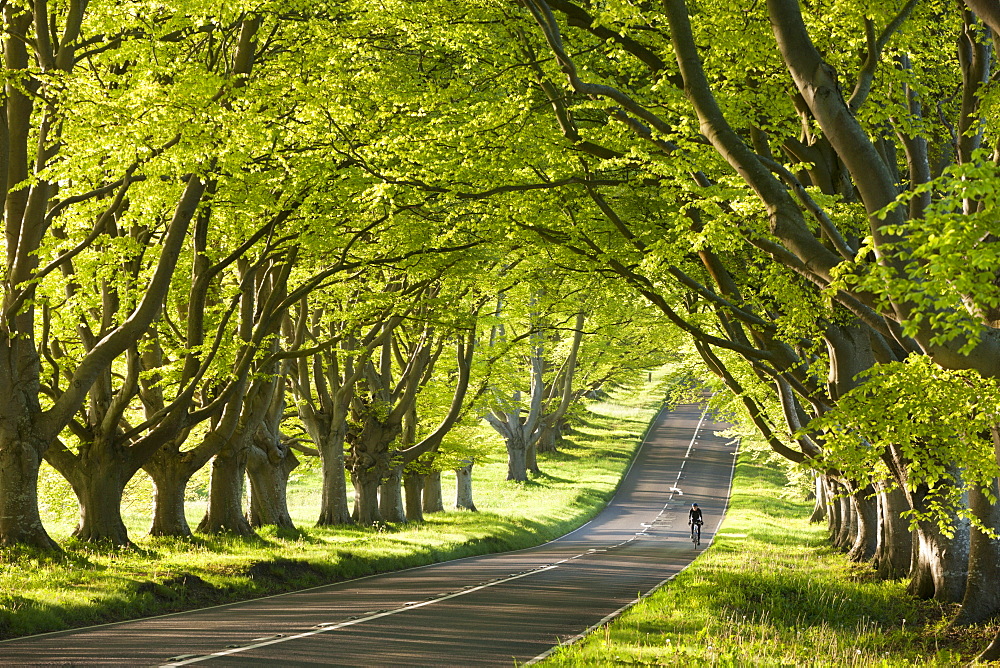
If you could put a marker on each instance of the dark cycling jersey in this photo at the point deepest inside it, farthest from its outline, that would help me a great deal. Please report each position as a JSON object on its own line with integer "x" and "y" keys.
{"x": 694, "y": 516}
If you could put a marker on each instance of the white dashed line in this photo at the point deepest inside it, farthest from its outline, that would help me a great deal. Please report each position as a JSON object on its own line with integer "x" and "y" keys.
{"x": 352, "y": 622}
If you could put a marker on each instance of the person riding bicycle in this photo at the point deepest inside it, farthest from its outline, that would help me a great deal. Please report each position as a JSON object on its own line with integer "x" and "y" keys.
{"x": 694, "y": 515}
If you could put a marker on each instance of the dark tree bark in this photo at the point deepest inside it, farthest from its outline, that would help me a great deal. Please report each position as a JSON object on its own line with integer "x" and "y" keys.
{"x": 551, "y": 436}
{"x": 98, "y": 486}
{"x": 844, "y": 538}
{"x": 940, "y": 564}
{"x": 517, "y": 458}
{"x": 171, "y": 468}
{"x": 835, "y": 519}
{"x": 334, "y": 509}
{"x": 20, "y": 522}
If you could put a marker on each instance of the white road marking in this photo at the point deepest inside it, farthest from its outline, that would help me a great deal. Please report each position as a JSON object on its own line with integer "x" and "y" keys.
{"x": 619, "y": 611}
{"x": 323, "y": 627}
{"x": 674, "y": 489}
{"x": 352, "y": 622}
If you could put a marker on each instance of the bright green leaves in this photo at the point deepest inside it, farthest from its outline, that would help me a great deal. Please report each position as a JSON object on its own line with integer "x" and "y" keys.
{"x": 939, "y": 422}
{"x": 943, "y": 266}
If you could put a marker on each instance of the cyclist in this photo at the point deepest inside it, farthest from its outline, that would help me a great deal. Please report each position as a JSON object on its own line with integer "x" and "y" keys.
{"x": 695, "y": 518}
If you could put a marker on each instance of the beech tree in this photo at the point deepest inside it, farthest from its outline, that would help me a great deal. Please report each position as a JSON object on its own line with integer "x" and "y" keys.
{"x": 855, "y": 201}
{"x": 384, "y": 400}
{"x": 42, "y": 47}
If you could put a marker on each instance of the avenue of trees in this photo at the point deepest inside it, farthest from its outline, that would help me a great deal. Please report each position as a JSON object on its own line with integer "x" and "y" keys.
{"x": 383, "y": 222}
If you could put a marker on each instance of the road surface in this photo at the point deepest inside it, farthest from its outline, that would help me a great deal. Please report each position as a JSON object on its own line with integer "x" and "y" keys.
{"x": 504, "y": 609}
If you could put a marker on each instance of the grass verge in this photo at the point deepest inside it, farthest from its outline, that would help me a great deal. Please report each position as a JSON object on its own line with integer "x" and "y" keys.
{"x": 771, "y": 592}
{"x": 43, "y": 591}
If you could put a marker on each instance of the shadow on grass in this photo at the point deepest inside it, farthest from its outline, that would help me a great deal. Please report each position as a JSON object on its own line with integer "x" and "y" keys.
{"x": 548, "y": 478}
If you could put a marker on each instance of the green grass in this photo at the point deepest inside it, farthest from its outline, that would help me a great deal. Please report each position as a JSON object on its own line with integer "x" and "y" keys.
{"x": 86, "y": 584}
{"x": 771, "y": 592}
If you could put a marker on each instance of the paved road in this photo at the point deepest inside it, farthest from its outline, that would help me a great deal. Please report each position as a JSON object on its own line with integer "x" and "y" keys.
{"x": 501, "y": 609}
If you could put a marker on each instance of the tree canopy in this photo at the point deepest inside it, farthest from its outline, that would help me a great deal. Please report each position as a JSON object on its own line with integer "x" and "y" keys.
{"x": 368, "y": 219}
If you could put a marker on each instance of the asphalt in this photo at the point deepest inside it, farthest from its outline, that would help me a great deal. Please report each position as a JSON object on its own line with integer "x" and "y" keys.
{"x": 503, "y": 609}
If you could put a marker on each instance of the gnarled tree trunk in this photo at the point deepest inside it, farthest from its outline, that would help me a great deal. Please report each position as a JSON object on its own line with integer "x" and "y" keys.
{"x": 268, "y": 470}
{"x": 334, "y": 509}
{"x": 99, "y": 490}
{"x": 551, "y": 436}
{"x": 20, "y": 522}
{"x": 225, "y": 497}
{"x": 366, "y": 507}
{"x": 170, "y": 479}
{"x": 98, "y": 474}
{"x": 940, "y": 563}
{"x": 517, "y": 458}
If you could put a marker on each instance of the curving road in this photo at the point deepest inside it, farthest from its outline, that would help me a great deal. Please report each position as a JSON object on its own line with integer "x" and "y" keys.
{"x": 502, "y": 609}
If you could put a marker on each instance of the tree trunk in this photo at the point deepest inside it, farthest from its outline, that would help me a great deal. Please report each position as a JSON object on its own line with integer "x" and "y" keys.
{"x": 852, "y": 513}
{"x": 895, "y": 541}
{"x": 413, "y": 483}
{"x": 866, "y": 511}
{"x": 820, "y": 509}
{"x": 982, "y": 592}
{"x": 99, "y": 492}
{"x": 20, "y": 523}
{"x": 225, "y": 497}
{"x": 329, "y": 440}
{"x": 833, "y": 518}
{"x": 531, "y": 459}
{"x": 940, "y": 563}
{"x": 463, "y": 488}
{"x": 333, "y": 509}
{"x": 390, "y": 498}
{"x": 170, "y": 478}
{"x": 269, "y": 486}
{"x": 517, "y": 462}
{"x": 366, "y": 507}
{"x": 843, "y": 540}
{"x": 433, "y": 499}
{"x": 551, "y": 436}
{"x": 98, "y": 475}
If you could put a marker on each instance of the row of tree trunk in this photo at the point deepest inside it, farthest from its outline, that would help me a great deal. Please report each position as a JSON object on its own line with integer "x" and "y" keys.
{"x": 959, "y": 563}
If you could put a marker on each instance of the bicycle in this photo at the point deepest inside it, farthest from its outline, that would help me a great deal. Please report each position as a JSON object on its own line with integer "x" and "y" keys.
{"x": 696, "y": 534}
